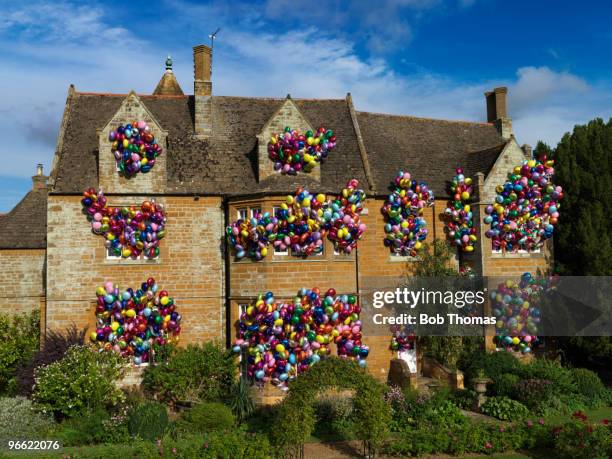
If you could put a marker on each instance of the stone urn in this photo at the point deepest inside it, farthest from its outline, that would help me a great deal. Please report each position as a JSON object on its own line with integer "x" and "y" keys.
{"x": 480, "y": 386}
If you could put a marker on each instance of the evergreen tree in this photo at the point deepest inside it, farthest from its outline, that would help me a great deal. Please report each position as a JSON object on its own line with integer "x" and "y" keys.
{"x": 583, "y": 245}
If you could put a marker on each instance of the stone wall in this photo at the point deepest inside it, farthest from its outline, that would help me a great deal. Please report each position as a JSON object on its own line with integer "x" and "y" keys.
{"x": 190, "y": 266}
{"x": 287, "y": 115}
{"x": 109, "y": 178}
{"x": 22, "y": 286}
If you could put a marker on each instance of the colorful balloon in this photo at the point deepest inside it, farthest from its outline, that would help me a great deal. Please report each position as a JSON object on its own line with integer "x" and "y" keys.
{"x": 250, "y": 237}
{"x": 526, "y": 207}
{"x": 459, "y": 227}
{"x": 281, "y": 340}
{"x": 405, "y": 226}
{"x": 129, "y": 231}
{"x": 131, "y": 322}
{"x": 342, "y": 218}
{"x": 293, "y": 152}
{"x": 134, "y": 148}
{"x": 515, "y": 307}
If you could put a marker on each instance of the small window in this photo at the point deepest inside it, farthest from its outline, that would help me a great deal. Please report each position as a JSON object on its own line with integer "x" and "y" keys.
{"x": 255, "y": 211}
{"x": 242, "y": 214}
{"x": 110, "y": 255}
{"x": 499, "y": 250}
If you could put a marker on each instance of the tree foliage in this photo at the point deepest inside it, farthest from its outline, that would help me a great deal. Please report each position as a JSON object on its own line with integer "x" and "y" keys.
{"x": 583, "y": 168}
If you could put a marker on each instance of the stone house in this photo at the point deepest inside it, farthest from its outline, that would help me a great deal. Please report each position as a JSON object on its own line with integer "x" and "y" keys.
{"x": 214, "y": 168}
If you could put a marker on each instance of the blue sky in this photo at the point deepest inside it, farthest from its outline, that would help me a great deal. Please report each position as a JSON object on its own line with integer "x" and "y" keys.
{"x": 430, "y": 58}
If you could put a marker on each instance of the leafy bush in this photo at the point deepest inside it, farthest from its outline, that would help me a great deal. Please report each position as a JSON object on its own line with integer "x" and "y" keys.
{"x": 194, "y": 373}
{"x": 335, "y": 416}
{"x": 505, "y": 385}
{"x": 581, "y": 439}
{"x": 208, "y": 417}
{"x": 560, "y": 377}
{"x": 504, "y": 408}
{"x": 81, "y": 382}
{"x": 240, "y": 399}
{"x": 92, "y": 428}
{"x": 54, "y": 347}
{"x": 296, "y": 415}
{"x": 535, "y": 393}
{"x": 148, "y": 420}
{"x": 464, "y": 399}
{"x": 19, "y": 340}
{"x": 444, "y": 414}
{"x": 471, "y": 437}
{"x": 589, "y": 385}
{"x": 19, "y": 421}
{"x": 493, "y": 364}
{"x": 233, "y": 444}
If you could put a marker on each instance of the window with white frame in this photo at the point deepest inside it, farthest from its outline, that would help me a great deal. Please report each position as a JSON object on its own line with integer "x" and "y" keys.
{"x": 242, "y": 213}
{"x": 255, "y": 211}
{"x": 499, "y": 250}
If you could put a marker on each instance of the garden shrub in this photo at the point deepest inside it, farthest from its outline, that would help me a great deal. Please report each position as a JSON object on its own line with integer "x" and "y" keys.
{"x": 579, "y": 439}
{"x": 19, "y": 421}
{"x": 296, "y": 415}
{"x": 560, "y": 377}
{"x": 19, "y": 340}
{"x": 208, "y": 417}
{"x": 493, "y": 364}
{"x": 148, "y": 420}
{"x": 504, "y": 408}
{"x": 590, "y": 386}
{"x": 535, "y": 393}
{"x": 92, "y": 428}
{"x": 197, "y": 373}
{"x": 240, "y": 399}
{"x": 80, "y": 383}
{"x": 335, "y": 417}
{"x": 464, "y": 398}
{"x": 505, "y": 385}
{"x": 470, "y": 437}
{"x": 235, "y": 443}
{"x": 54, "y": 347}
{"x": 444, "y": 414}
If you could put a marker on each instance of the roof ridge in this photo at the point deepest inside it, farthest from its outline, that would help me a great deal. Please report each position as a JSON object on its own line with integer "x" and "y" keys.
{"x": 142, "y": 96}
{"x": 423, "y": 118}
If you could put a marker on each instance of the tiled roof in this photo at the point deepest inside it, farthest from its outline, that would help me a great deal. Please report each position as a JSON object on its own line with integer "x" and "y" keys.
{"x": 25, "y": 227}
{"x": 227, "y": 162}
{"x": 429, "y": 149}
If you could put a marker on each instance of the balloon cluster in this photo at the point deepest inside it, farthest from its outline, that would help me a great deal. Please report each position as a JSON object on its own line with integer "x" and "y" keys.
{"x": 281, "y": 340}
{"x": 251, "y": 237}
{"x": 405, "y": 226}
{"x": 526, "y": 207}
{"x": 402, "y": 338}
{"x": 293, "y": 152}
{"x": 301, "y": 224}
{"x": 134, "y": 147}
{"x": 459, "y": 218}
{"x": 515, "y": 306}
{"x": 345, "y": 227}
{"x": 131, "y": 322}
{"x": 129, "y": 231}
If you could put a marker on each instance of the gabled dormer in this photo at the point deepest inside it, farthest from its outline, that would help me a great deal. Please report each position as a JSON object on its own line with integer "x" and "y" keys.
{"x": 288, "y": 114}
{"x": 110, "y": 180}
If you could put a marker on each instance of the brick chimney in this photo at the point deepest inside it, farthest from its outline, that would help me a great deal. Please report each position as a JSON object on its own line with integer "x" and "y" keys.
{"x": 497, "y": 111}
{"x": 202, "y": 90}
{"x": 39, "y": 181}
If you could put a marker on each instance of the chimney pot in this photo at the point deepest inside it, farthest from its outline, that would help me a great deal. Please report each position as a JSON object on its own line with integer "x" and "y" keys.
{"x": 39, "y": 181}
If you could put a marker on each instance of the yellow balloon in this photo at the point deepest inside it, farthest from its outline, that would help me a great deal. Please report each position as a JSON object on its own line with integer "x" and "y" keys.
{"x": 280, "y": 348}
{"x": 321, "y": 198}
{"x": 114, "y": 326}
